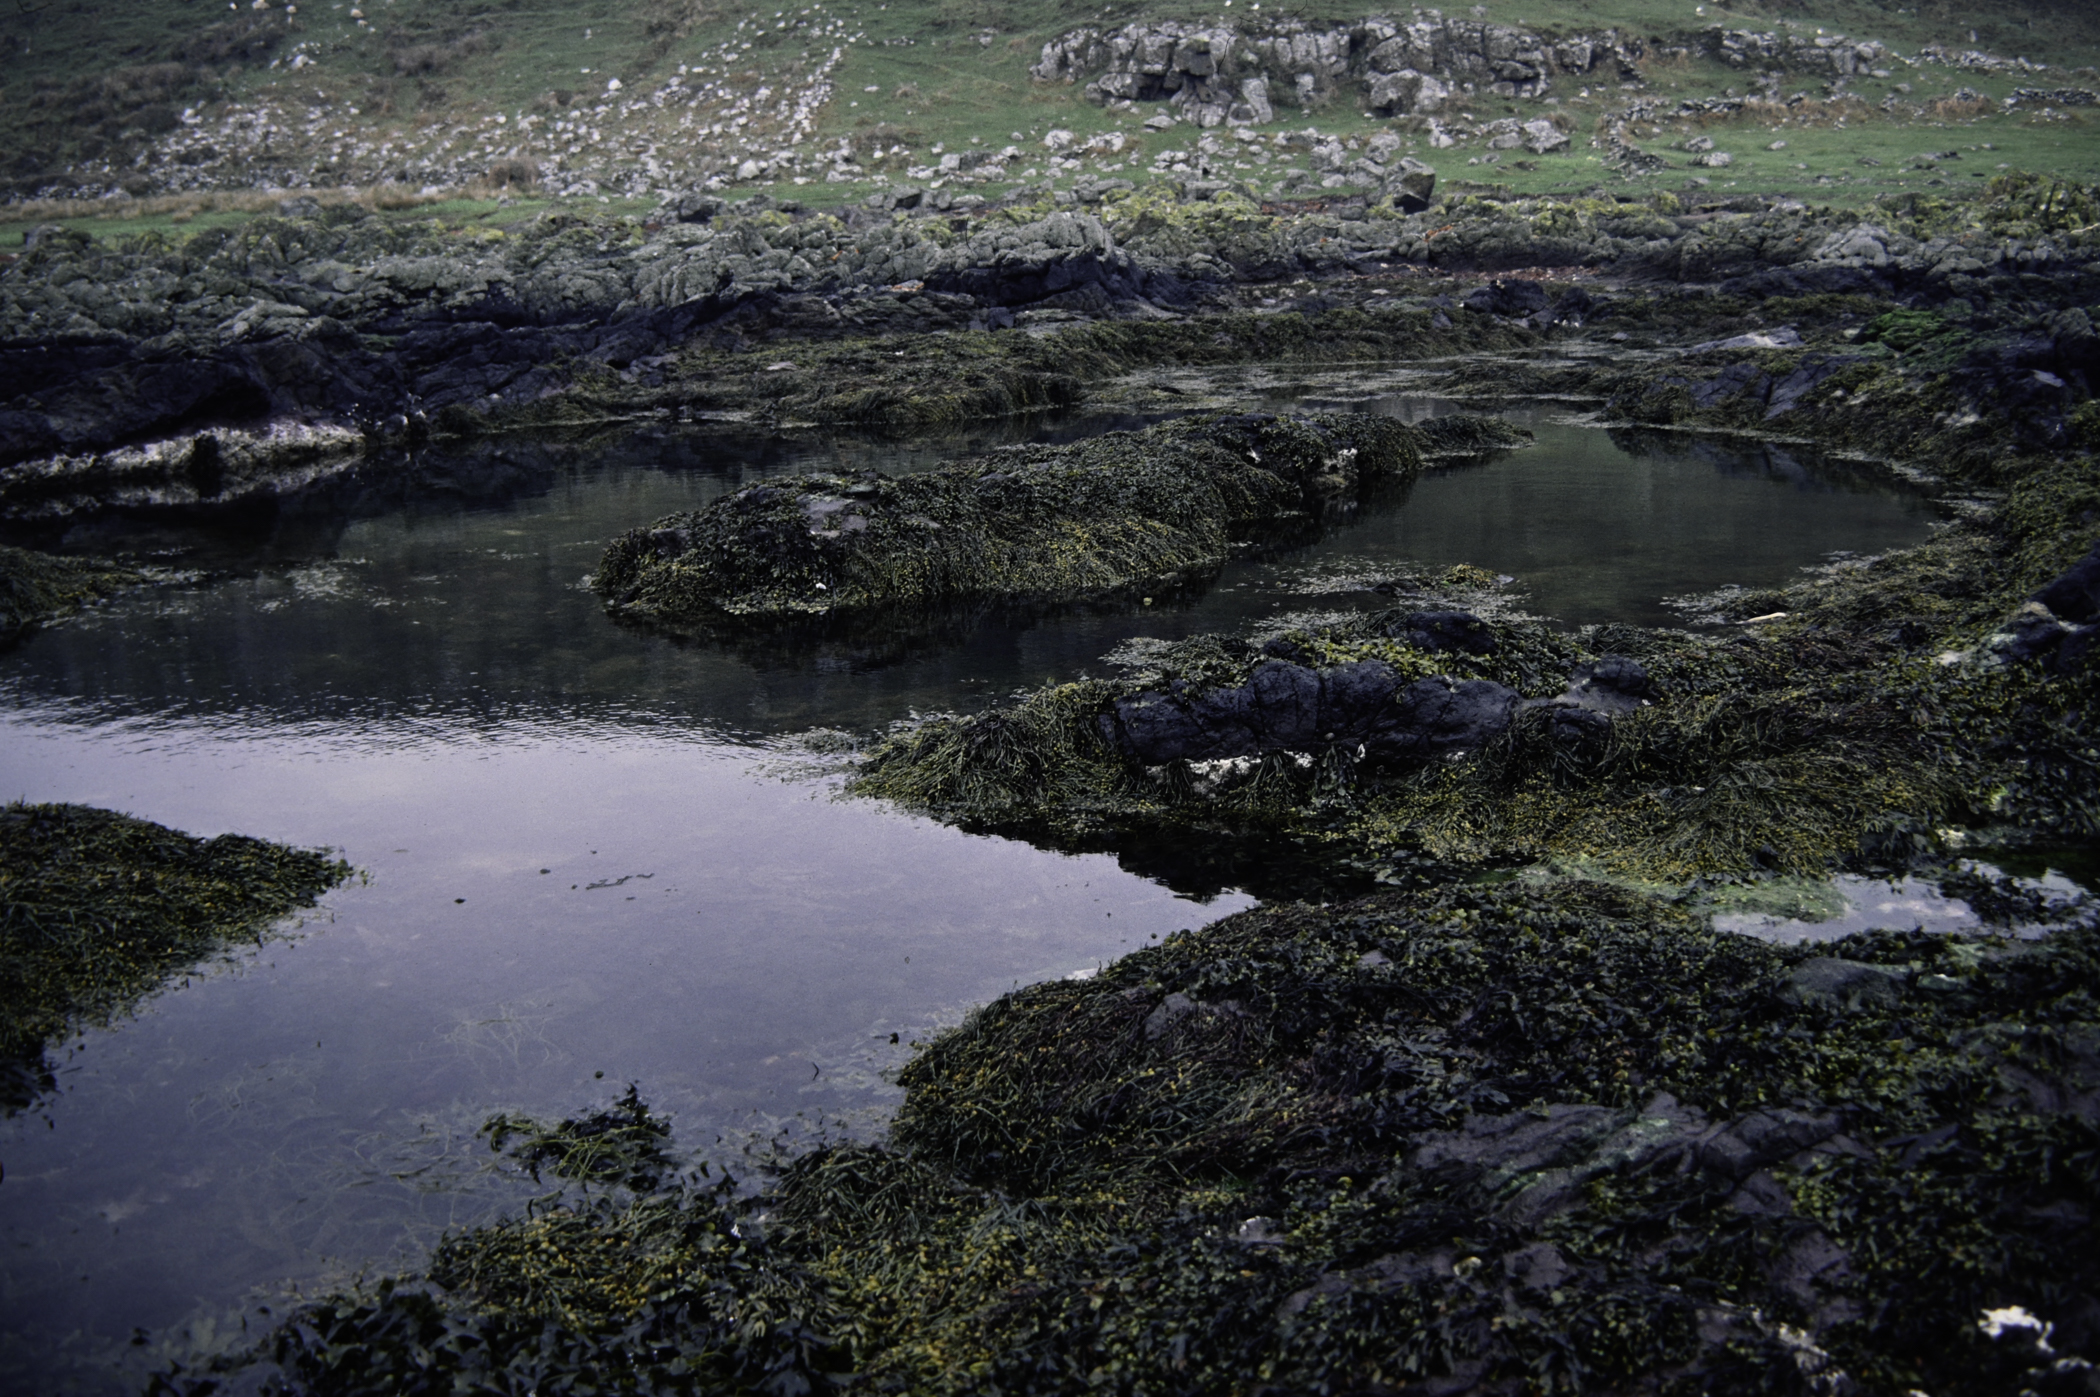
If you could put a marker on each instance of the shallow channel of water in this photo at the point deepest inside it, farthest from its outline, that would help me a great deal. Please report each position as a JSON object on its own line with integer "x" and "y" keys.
{"x": 581, "y": 860}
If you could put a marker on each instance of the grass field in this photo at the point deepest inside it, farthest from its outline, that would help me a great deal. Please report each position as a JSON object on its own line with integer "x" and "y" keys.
{"x": 384, "y": 83}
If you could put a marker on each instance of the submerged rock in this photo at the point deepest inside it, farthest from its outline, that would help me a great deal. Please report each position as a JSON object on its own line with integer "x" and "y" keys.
{"x": 36, "y": 588}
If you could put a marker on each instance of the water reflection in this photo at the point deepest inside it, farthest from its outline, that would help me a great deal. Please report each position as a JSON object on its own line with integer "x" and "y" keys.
{"x": 547, "y": 902}
{"x": 437, "y": 604}
{"x": 577, "y": 864}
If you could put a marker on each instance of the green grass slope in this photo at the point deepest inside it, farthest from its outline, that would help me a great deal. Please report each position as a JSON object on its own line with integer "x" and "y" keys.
{"x": 168, "y": 112}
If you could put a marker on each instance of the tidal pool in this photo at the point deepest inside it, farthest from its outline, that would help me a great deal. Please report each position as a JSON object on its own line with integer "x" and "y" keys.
{"x": 584, "y": 864}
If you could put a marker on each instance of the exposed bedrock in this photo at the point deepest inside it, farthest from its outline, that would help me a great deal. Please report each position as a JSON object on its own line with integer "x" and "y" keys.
{"x": 1090, "y": 518}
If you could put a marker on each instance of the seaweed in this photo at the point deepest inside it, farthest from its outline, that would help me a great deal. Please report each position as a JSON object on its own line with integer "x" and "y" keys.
{"x": 1545, "y": 1137}
{"x": 97, "y": 910}
{"x": 1098, "y": 518}
{"x": 37, "y": 588}
{"x": 1756, "y": 754}
{"x": 623, "y": 1144}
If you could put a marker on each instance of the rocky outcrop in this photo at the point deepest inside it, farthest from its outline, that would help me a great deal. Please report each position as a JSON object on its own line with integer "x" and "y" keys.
{"x": 1831, "y": 55}
{"x": 1093, "y": 518}
{"x": 1397, "y": 68}
{"x": 1222, "y": 74}
{"x": 219, "y": 469}
{"x": 331, "y": 316}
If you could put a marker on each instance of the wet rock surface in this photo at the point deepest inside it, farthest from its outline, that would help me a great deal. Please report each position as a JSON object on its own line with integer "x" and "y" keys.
{"x": 1293, "y": 708}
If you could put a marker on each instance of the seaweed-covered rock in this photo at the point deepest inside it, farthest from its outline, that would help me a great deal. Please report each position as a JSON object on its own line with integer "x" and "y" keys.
{"x": 1467, "y": 1139}
{"x": 96, "y": 909}
{"x": 1092, "y": 518}
{"x": 1362, "y": 705}
{"x": 1465, "y": 434}
{"x": 40, "y": 587}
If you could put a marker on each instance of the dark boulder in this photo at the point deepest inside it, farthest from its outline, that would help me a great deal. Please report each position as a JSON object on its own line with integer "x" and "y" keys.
{"x": 1293, "y": 707}
{"x": 694, "y": 206}
{"x": 1839, "y": 986}
{"x": 1514, "y": 298}
{"x": 1613, "y": 685}
{"x": 1415, "y": 190}
{"x": 2059, "y": 626}
{"x": 2075, "y": 596}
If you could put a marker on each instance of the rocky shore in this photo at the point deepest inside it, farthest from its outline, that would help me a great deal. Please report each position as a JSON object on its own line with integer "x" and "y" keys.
{"x": 234, "y": 364}
{"x": 1481, "y": 1101}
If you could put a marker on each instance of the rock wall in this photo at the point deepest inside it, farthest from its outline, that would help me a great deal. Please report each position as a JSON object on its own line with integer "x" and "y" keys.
{"x": 1221, "y": 74}
{"x": 1218, "y": 74}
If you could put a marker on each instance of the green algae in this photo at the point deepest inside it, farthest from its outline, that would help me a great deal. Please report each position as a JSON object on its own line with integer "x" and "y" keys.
{"x": 37, "y": 588}
{"x": 1096, "y": 518}
{"x": 97, "y": 910}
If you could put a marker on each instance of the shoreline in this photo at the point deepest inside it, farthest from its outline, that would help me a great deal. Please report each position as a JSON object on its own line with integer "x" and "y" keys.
{"x": 1520, "y": 1116}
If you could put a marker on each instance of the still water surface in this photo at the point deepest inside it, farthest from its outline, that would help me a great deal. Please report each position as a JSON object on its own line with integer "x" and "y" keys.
{"x": 582, "y": 854}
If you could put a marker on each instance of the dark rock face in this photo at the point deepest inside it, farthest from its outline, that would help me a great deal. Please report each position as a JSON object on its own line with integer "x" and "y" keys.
{"x": 1365, "y": 707}
{"x": 1296, "y": 708}
{"x": 1611, "y": 685}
